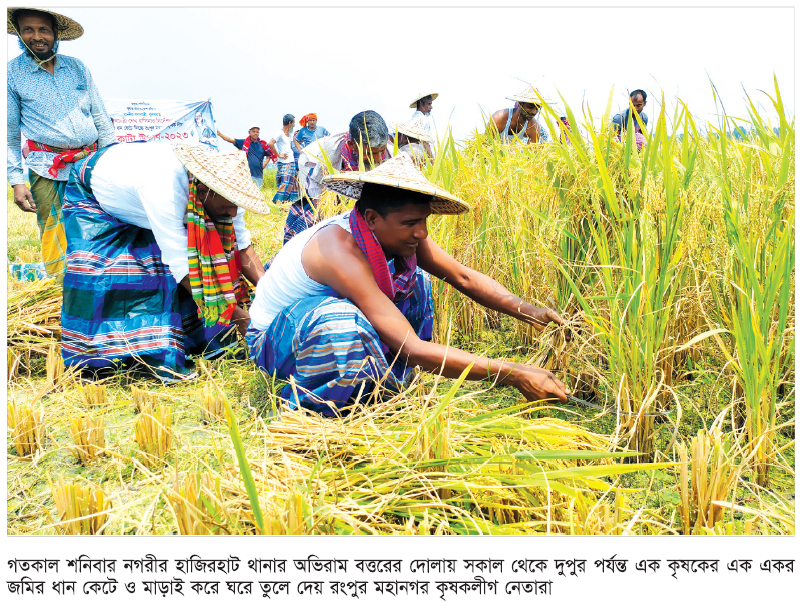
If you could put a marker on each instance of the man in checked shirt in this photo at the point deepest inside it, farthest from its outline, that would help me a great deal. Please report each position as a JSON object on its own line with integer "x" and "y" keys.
{"x": 54, "y": 103}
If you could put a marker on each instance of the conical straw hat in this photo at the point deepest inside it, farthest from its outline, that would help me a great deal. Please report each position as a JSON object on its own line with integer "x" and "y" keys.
{"x": 414, "y": 128}
{"x": 399, "y": 172}
{"x": 67, "y": 28}
{"x": 227, "y": 174}
{"x": 433, "y": 96}
{"x": 530, "y": 95}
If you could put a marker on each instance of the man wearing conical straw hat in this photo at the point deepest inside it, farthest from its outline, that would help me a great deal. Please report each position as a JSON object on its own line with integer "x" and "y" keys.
{"x": 53, "y": 102}
{"x": 414, "y": 139}
{"x": 519, "y": 123}
{"x": 156, "y": 252}
{"x": 364, "y": 143}
{"x": 348, "y": 301}
{"x": 422, "y": 106}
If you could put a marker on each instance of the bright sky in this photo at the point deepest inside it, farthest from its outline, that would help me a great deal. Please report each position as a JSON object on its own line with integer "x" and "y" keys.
{"x": 256, "y": 64}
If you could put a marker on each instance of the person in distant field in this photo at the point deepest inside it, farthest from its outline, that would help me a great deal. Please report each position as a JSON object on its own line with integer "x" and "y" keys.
{"x": 422, "y": 106}
{"x": 520, "y": 123}
{"x": 637, "y": 99}
{"x": 364, "y": 142}
{"x": 258, "y": 151}
{"x": 565, "y": 130}
{"x": 205, "y": 134}
{"x": 157, "y": 248}
{"x": 287, "y": 186}
{"x": 53, "y": 102}
{"x": 413, "y": 139}
{"x": 348, "y": 302}
{"x": 310, "y": 131}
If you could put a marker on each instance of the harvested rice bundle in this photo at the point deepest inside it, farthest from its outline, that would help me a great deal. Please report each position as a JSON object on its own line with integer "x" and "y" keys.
{"x": 27, "y": 428}
{"x": 33, "y": 315}
{"x": 81, "y": 509}
{"x": 153, "y": 433}
{"x": 88, "y": 438}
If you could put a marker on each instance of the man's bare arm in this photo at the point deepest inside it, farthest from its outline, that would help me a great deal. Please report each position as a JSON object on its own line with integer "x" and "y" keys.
{"x": 224, "y": 137}
{"x": 252, "y": 268}
{"x": 480, "y": 287}
{"x": 333, "y": 258}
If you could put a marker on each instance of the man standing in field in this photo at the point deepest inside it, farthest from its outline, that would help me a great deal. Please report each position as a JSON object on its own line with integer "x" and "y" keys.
{"x": 310, "y": 131}
{"x": 258, "y": 151}
{"x": 520, "y": 123}
{"x": 637, "y": 99}
{"x": 422, "y": 106}
{"x": 287, "y": 186}
{"x": 365, "y": 142}
{"x": 157, "y": 249}
{"x": 349, "y": 301}
{"x": 53, "y": 101}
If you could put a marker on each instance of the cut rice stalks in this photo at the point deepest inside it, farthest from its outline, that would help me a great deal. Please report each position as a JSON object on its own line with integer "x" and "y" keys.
{"x": 153, "y": 433}
{"x": 88, "y": 438}
{"x": 27, "y": 428}
{"x": 82, "y": 509}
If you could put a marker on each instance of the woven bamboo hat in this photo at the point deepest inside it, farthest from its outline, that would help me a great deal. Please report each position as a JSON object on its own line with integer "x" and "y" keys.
{"x": 530, "y": 95}
{"x": 227, "y": 174}
{"x": 398, "y": 172}
{"x": 433, "y": 96}
{"x": 414, "y": 128}
{"x": 67, "y": 28}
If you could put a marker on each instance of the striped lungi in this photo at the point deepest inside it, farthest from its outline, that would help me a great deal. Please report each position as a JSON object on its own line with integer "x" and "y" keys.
{"x": 121, "y": 305}
{"x": 287, "y": 185}
{"x": 47, "y": 196}
{"x": 301, "y": 216}
{"x": 326, "y": 347}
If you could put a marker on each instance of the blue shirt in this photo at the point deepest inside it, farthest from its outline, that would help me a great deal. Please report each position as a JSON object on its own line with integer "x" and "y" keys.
{"x": 62, "y": 110}
{"x": 621, "y": 119}
{"x": 305, "y": 136}
{"x": 255, "y": 156}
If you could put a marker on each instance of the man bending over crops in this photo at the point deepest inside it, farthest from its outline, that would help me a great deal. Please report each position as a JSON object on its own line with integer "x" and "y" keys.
{"x": 156, "y": 243}
{"x": 349, "y": 300}
{"x": 53, "y": 102}
{"x": 519, "y": 123}
{"x": 365, "y": 141}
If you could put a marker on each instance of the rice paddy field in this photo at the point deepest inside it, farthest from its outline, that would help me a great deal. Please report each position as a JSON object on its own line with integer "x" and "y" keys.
{"x": 675, "y": 270}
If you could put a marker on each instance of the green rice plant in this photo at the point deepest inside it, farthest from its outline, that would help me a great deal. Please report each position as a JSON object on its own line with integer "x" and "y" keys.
{"x": 757, "y": 309}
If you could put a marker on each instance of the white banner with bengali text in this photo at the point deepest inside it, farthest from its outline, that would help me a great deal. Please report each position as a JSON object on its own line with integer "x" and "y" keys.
{"x": 190, "y": 122}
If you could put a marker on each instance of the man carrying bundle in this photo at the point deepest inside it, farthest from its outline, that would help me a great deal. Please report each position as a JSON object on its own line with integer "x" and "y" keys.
{"x": 259, "y": 152}
{"x": 519, "y": 123}
{"x": 365, "y": 141}
{"x": 53, "y": 101}
{"x": 156, "y": 247}
{"x": 349, "y": 300}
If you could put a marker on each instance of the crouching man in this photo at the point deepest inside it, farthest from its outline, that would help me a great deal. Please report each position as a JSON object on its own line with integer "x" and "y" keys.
{"x": 349, "y": 299}
{"x": 156, "y": 245}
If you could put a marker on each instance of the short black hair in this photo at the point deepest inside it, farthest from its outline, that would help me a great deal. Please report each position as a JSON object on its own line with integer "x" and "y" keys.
{"x": 387, "y": 199}
{"x": 27, "y": 12}
{"x": 288, "y": 119}
{"x": 640, "y": 92}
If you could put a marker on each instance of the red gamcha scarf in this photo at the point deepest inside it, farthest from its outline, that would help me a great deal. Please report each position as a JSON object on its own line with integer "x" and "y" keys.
{"x": 398, "y": 287}
{"x": 265, "y": 147}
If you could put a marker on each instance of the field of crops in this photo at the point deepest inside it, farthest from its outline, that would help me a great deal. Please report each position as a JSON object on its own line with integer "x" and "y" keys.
{"x": 675, "y": 270}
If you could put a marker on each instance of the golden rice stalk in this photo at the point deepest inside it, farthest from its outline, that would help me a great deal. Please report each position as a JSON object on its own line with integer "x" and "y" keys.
{"x": 211, "y": 407}
{"x": 27, "y": 428}
{"x": 83, "y": 509}
{"x": 153, "y": 432}
{"x": 287, "y": 516}
{"x": 88, "y": 438}
{"x": 198, "y": 505}
{"x": 143, "y": 399}
{"x": 707, "y": 475}
{"x": 33, "y": 316}
{"x": 93, "y": 394}
{"x": 54, "y": 366}
{"x": 13, "y": 364}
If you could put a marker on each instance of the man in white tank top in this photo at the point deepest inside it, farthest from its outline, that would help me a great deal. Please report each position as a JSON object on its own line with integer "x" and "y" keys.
{"x": 520, "y": 122}
{"x": 349, "y": 300}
